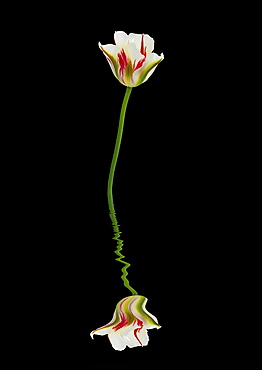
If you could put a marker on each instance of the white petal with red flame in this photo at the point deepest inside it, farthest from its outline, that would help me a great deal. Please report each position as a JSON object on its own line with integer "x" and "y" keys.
{"x": 131, "y": 58}
{"x": 129, "y": 324}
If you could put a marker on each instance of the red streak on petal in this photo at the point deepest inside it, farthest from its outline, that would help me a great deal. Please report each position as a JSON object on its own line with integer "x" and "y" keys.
{"x": 123, "y": 60}
{"x": 137, "y": 336}
{"x": 143, "y": 48}
{"x": 139, "y": 64}
{"x": 142, "y": 51}
{"x": 123, "y": 321}
{"x": 140, "y": 323}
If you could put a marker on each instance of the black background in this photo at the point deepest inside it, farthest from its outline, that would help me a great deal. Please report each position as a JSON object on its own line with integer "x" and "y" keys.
{"x": 182, "y": 189}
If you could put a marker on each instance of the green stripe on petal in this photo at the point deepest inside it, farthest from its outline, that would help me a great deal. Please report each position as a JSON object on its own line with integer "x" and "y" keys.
{"x": 126, "y": 309}
{"x": 144, "y": 72}
{"x": 103, "y": 329}
{"x": 128, "y": 73}
{"x": 140, "y": 308}
{"x": 112, "y": 58}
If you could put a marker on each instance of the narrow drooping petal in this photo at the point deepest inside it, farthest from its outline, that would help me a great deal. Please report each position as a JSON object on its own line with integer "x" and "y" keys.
{"x": 107, "y": 328}
{"x": 117, "y": 341}
{"x": 131, "y": 58}
{"x": 143, "y": 336}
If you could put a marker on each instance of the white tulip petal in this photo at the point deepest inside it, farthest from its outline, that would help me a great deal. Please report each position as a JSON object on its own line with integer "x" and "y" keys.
{"x": 149, "y": 43}
{"x": 153, "y": 57}
{"x": 102, "y": 331}
{"x": 143, "y": 336}
{"x": 143, "y": 73}
{"x": 124, "y": 332}
{"x": 135, "y": 77}
{"x": 120, "y": 38}
{"x": 132, "y": 52}
{"x": 110, "y": 49}
{"x": 150, "y": 73}
{"x": 136, "y": 39}
{"x": 131, "y": 341}
{"x": 117, "y": 342}
{"x": 105, "y": 329}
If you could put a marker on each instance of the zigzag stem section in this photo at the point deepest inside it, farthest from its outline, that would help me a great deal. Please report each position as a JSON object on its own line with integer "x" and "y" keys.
{"x": 119, "y": 246}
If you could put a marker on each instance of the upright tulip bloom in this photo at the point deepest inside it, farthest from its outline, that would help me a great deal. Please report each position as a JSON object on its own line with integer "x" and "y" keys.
{"x": 131, "y": 58}
{"x": 129, "y": 324}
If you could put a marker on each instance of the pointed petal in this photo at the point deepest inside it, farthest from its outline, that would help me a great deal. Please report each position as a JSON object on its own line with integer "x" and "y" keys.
{"x": 105, "y": 329}
{"x": 101, "y": 331}
{"x": 142, "y": 74}
{"x": 149, "y": 44}
{"x": 120, "y": 38}
{"x": 110, "y": 51}
{"x": 117, "y": 342}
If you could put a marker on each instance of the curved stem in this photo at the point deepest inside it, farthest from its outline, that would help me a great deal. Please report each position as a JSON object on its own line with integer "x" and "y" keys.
{"x": 116, "y": 150}
{"x": 110, "y": 193}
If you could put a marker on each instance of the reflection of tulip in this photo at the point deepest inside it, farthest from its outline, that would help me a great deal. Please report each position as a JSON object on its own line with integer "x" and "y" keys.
{"x": 129, "y": 324}
{"x": 131, "y": 59}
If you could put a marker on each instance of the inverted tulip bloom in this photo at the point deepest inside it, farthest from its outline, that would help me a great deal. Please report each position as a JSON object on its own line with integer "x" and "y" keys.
{"x": 129, "y": 324}
{"x": 131, "y": 58}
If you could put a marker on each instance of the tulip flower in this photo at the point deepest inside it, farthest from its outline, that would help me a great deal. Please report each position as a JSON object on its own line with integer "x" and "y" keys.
{"x": 131, "y": 58}
{"x": 129, "y": 324}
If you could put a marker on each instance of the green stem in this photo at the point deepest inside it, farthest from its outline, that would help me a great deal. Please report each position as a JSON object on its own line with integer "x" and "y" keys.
{"x": 116, "y": 150}
{"x": 110, "y": 192}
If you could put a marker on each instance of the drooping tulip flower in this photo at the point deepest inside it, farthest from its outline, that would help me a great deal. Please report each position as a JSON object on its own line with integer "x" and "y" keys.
{"x": 131, "y": 58}
{"x": 129, "y": 324}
